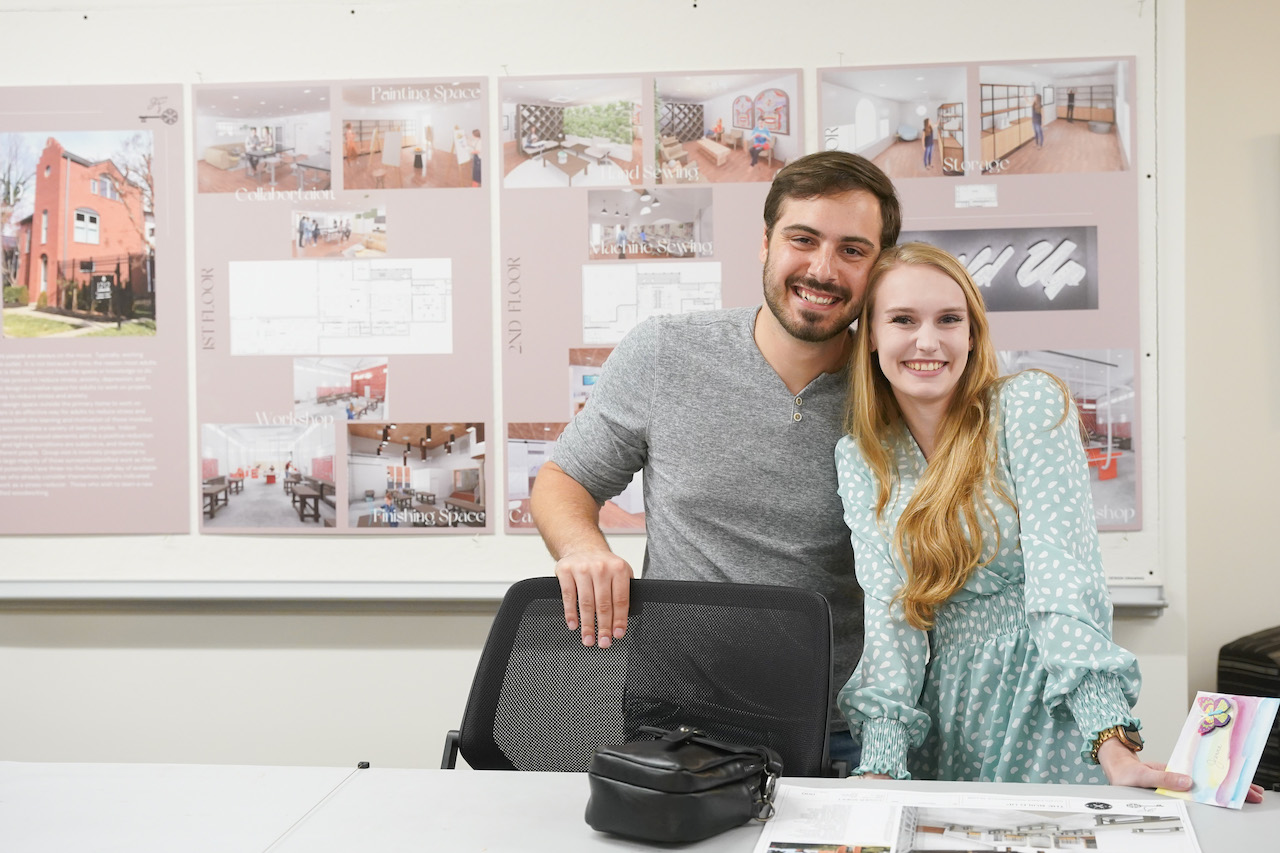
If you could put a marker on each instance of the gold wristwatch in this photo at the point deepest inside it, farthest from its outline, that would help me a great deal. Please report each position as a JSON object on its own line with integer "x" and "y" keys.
{"x": 1128, "y": 736}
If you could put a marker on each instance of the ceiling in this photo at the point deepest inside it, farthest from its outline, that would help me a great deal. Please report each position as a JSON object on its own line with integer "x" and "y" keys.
{"x": 262, "y": 102}
{"x": 342, "y": 367}
{"x": 258, "y": 438}
{"x": 680, "y": 205}
{"x": 1057, "y": 70}
{"x": 904, "y": 84}
{"x": 696, "y": 88}
{"x": 398, "y": 433}
{"x": 567, "y": 93}
{"x": 1096, "y": 374}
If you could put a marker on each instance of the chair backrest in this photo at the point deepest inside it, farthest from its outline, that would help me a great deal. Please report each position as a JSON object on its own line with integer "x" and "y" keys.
{"x": 742, "y": 662}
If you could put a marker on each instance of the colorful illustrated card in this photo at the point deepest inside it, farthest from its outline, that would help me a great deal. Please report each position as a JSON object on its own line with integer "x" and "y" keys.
{"x": 1220, "y": 746}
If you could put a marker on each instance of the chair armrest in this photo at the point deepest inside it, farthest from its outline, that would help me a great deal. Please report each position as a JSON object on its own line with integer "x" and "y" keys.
{"x": 449, "y": 760}
{"x": 837, "y": 769}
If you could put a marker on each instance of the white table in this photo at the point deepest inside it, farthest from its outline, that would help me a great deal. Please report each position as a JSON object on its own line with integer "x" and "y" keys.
{"x": 89, "y": 808}
{"x": 86, "y": 808}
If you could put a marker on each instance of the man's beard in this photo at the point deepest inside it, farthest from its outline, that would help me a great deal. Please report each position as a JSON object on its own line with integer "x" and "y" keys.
{"x": 800, "y": 327}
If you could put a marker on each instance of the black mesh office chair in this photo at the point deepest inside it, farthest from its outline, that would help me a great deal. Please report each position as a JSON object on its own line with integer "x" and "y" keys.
{"x": 744, "y": 663}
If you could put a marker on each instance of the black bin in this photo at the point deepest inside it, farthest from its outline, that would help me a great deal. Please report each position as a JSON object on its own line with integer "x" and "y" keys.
{"x": 1250, "y": 666}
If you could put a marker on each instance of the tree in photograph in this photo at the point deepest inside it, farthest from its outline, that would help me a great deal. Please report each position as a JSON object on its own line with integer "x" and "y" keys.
{"x": 17, "y": 180}
{"x": 133, "y": 160}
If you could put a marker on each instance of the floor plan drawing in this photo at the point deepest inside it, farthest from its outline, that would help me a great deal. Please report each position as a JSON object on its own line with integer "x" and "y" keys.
{"x": 615, "y": 297}
{"x": 342, "y": 307}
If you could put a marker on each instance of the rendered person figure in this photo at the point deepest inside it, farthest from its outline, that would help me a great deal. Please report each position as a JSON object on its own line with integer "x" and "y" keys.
{"x": 926, "y": 139}
{"x": 733, "y": 416}
{"x": 252, "y": 145}
{"x": 761, "y": 139}
{"x": 350, "y": 151}
{"x": 988, "y": 652}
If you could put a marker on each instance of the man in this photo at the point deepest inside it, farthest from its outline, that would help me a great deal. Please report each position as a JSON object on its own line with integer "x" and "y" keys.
{"x": 733, "y": 416}
{"x": 760, "y": 140}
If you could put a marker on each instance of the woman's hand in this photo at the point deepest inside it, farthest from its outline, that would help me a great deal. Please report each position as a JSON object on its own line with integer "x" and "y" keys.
{"x": 1123, "y": 767}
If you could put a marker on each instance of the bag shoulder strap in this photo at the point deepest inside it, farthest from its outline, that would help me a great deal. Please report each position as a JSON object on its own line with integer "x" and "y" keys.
{"x": 772, "y": 761}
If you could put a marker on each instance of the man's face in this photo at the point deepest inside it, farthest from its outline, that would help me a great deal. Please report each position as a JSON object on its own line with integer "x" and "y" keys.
{"x": 817, "y": 261}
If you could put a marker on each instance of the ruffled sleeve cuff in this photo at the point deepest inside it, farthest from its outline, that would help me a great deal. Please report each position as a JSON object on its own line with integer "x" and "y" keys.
{"x": 1098, "y": 703}
{"x": 884, "y": 749}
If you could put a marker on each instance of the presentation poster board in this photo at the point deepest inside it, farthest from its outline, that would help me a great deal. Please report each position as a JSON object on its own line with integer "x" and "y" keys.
{"x": 93, "y": 358}
{"x": 344, "y": 364}
{"x": 621, "y": 200}
{"x": 1024, "y": 171}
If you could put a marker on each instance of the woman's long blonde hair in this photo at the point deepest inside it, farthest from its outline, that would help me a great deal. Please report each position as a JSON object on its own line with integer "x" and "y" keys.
{"x": 940, "y": 536}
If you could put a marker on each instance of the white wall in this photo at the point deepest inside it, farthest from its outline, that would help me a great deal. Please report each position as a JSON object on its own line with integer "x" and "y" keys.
{"x": 286, "y": 683}
{"x": 840, "y": 107}
{"x": 1233, "y": 394}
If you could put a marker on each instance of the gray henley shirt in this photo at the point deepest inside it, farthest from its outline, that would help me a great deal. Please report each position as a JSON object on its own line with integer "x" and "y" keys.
{"x": 739, "y": 474}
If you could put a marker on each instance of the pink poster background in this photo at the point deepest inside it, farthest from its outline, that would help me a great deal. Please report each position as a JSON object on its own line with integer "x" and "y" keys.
{"x": 95, "y": 427}
{"x": 379, "y": 321}
{"x": 558, "y": 248}
{"x": 1064, "y": 185}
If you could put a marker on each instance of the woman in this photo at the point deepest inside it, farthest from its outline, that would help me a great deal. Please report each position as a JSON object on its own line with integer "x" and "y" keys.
{"x": 253, "y": 150}
{"x": 926, "y": 138}
{"x": 1037, "y": 120}
{"x": 475, "y": 157}
{"x": 988, "y": 649}
{"x": 350, "y": 152}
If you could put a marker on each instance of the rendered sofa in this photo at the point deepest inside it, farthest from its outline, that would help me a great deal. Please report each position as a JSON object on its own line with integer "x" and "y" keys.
{"x": 225, "y": 156}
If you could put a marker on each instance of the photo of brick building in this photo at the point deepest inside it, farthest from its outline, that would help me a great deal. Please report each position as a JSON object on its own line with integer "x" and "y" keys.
{"x": 83, "y": 232}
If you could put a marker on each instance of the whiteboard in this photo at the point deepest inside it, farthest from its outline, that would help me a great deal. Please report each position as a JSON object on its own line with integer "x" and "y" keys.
{"x": 208, "y": 43}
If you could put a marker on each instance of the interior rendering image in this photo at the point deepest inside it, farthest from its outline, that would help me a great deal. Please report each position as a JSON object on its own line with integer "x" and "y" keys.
{"x": 339, "y": 233}
{"x": 580, "y": 133}
{"x": 344, "y": 389}
{"x": 416, "y": 475}
{"x": 585, "y": 364}
{"x": 908, "y": 121}
{"x": 943, "y": 829}
{"x": 529, "y": 448}
{"x": 725, "y": 127}
{"x": 649, "y": 223}
{"x": 267, "y": 475}
{"x": 1056, "y": 116}
{"x": 412, "y": 143}
{"x": 262, "y": 136}
{"x": 1102, "y": 385}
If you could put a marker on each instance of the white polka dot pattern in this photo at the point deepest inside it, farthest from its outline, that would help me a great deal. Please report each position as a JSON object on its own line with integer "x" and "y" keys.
{"x": 1019, "y": 672}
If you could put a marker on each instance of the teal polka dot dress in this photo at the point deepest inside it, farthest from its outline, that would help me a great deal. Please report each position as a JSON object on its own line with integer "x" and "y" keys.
{"x": 1019, "y": 672}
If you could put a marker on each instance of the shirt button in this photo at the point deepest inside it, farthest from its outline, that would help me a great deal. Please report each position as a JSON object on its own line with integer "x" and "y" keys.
{"x": 799, "y": 401}
{"x": 796, "y": 416}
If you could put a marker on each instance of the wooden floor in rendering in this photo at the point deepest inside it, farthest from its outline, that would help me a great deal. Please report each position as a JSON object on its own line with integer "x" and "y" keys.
{"x": 1068, "y": 147}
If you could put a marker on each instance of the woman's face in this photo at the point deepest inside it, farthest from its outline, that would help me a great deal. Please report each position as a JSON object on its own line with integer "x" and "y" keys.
{"x": 920, "y": 334}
